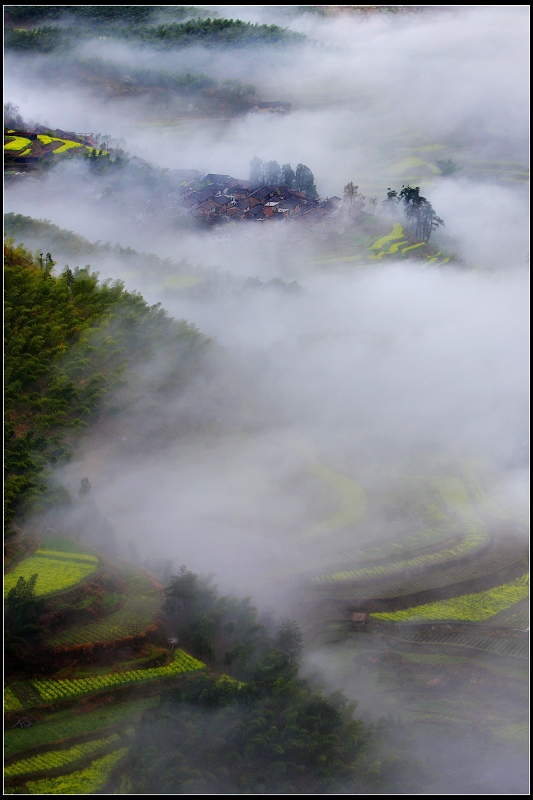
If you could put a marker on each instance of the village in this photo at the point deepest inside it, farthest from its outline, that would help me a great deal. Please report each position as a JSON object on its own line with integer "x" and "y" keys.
{"x": 225, "y": 199}
{"x": 210, "y": 199}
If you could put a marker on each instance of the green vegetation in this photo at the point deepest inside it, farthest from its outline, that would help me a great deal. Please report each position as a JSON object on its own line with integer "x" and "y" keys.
{"x": 56, "y": 571}
{"x": 468, "y": 608}
{"x": 135, "y": 27}
{"x": 17, "y": 143}
{"x": 11, "y": 703}
{"x": 53, "y": 759}
{"x": 95, "y": 15}
{"x": 85, "y": 781}
{"x": 71, "y": 723}
{"x": 213, "y": 32}
{"x": 53, "y": 690}
{"x": 132, "y": 619}
{"x": 419, "y": 213}
{"x": 69, "y": 340}
{"x": 274, "y": 734}
{"x": 471, "y": 544}
{"x": 507, "y": 554}
{"x": 396, "y": 233}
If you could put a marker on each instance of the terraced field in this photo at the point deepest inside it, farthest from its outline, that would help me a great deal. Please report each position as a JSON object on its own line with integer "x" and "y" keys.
{"x": 475, "y": 607}
{"x": 472, "y": 544}
{"x": 72, "y": 725}
{"x": 515, "y": 648}
{"x": 56, "y": 759}
{"x": 500, "y": 556}
{"x": 85, "y": 781}
{"x": 132, "y": 619}
{"x": 516, "y": 617}
{"x": 56, "y": 570}
{"x": 53, "y": 691}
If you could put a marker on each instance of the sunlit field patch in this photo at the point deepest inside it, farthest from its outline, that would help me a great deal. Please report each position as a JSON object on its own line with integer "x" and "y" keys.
{"x": 397, "y": 233}
{"x": 10, "y": 702}
{"x": 56, "y": 570}
{"x": 67, "y": 144}
{"x": 52, "y": 691}
{"x": 466, "y": 608}
{"x": 472, "y": 542}
{"x": 17, "y": 143}
{"x": 54, "y": 759}
{"x": 85, "y": 781}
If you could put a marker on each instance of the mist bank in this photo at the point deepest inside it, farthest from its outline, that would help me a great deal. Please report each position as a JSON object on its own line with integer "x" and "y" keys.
{"x": 376, "y": 85}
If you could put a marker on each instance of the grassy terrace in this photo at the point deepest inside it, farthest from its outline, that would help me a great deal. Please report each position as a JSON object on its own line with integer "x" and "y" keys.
{"x": 132, "y": 619}
{"x": 53, "y": 691}
{"x": 85, "y": 781}
{"x": 476, "y": 607}
{"x": 73, "y": 724}
{"x": 56, "y": 570}
{"x": 56, "y": 759}
{"x": 471, "y": 544}
{"x": 502, "y": 555}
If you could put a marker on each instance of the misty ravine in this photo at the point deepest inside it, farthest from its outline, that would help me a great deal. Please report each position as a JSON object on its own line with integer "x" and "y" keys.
{"x": 266, "y": 400}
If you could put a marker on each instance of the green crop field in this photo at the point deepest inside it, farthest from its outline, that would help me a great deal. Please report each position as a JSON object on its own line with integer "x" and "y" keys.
{"x": 56, "y": 570}
{"x": 85, "y": 781}
{"x": 11, "y": 703}
{"x": 52, "y": 691}
{"x": 17, "y": 143}
{"x": 471, "y": 544}
{"x": 474, "y": 607}
{"x": 55, "y": 759}
{"x": 132, "y": 619}
{"x": 71, "y": 724}
{"x": 505, "y": 553}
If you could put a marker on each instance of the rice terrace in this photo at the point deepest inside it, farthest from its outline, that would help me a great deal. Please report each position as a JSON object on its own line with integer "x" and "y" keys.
{"x": 452, "y": 585}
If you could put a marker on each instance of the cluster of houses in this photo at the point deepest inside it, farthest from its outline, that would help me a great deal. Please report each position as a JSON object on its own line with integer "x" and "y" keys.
{"x": 225, "y": 198}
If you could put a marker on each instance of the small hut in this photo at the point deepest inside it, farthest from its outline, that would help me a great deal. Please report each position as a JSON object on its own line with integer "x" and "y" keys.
{"x": 359, "y": 619}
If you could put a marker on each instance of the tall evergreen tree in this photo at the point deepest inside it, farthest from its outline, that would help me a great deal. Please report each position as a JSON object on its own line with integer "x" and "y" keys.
{"x": 305, "y": 181}
{"x": 272, "y": 173}
{"x": 287, "y": 176}
{"x": 256, "y": 172}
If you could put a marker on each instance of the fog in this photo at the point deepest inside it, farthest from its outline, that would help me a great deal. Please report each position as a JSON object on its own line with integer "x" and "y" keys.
{"x": 374, "y": 372}
{"x": 377, "y": 364}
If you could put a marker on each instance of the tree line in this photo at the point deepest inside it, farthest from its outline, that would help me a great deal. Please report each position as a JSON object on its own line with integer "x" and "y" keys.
{"x": 269, "y": 173}
{"x": 47, "y": 38}
{"x": 418, "y": 212}
{"x": 258, "y": 728}
{"x": 68, "y": 341}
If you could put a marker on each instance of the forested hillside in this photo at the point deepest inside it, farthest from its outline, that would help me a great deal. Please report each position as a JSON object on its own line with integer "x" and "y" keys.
{"x": 68, "y": 341}
{"x": 87, "y": 644}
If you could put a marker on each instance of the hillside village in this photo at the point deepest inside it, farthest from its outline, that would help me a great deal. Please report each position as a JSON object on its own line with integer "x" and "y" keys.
{"x": 225, "y": 198}
{"x": 213, "y": 199}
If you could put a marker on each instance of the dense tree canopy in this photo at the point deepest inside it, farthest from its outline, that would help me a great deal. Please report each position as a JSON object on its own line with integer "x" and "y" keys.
{"x": 68, "y": 340}
{"x": 418, "y": 211}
